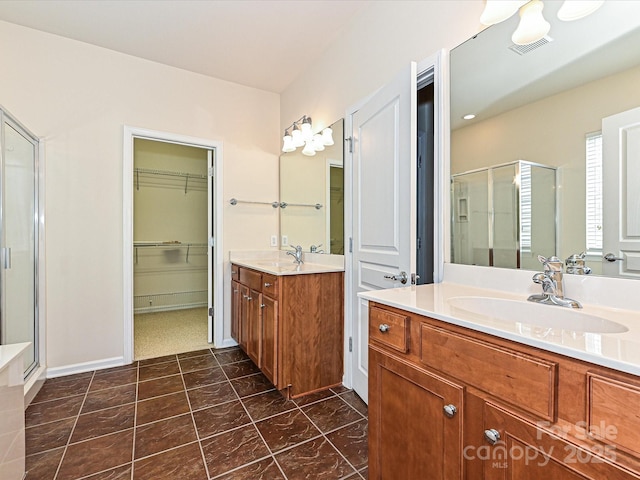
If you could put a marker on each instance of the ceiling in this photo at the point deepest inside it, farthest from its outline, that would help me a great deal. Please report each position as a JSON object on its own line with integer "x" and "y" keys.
{"x": 264, "y": 44}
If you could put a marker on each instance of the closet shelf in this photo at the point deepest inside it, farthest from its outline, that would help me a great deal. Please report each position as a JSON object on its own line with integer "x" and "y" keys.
{"x": 168, "y": 244}
{"x": 171, "y": 179}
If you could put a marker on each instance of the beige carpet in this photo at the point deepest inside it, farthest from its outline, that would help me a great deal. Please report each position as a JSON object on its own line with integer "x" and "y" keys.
{"x": 166, "y": 333}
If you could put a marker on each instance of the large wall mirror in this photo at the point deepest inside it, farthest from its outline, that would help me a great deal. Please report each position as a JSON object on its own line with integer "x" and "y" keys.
{"x": 312, "y": 197}
{"x": 556, "y": 133}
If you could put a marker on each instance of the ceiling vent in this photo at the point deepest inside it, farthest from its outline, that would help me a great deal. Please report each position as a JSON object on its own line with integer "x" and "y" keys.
{"x": 523, "y": 49}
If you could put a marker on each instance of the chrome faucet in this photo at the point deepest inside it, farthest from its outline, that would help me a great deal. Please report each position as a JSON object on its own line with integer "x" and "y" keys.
{"x": 316, "y": 249}
{"x": 552, "y": 284}
{"x": 297, "y": 254}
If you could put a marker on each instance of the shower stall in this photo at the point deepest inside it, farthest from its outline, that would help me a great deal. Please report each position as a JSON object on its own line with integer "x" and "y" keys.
{"x": 19, "y": 219}
{"x": 504, "y": 215}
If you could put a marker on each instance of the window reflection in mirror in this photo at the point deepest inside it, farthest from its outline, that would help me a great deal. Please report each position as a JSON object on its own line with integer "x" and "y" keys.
{"x": 541, "y": 106}
{"x": 307, "y": 182}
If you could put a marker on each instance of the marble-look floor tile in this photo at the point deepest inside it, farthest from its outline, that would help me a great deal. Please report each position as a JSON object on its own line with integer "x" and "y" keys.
{"x": 286, "y": 430}
{"x": 113, "y": 379}
{"x": 314, "y": 397}
{"x": 96, "y": 455}
{"x": 160, "y": 386}
{"x": 220, "y": 418}
{"x": 233, "y": 449}
{"x": 200, "y": 378}
{"x": 109, "y": 397}
{"x": 245, "y": 386}
{"x": 157, "y": 408}
{"x": 314, "y": 459}
{"x": 240, "y": 369}
{"x": 352, "y": 442}
{"x": 331, "y": 414}
{"x": 266, "y": 469}
{"x": 211, "y": 395}
{"x": 158, "y": 370}
{"x": 356, "y": 402}
{"x": 60, "y": 387}
{"x": 230, "y": 356}
{"x": 48, "y": 435}
{"x": 118, "y": 473}
{"x": 103, "y": 422}
{"x": 202, "y": 362}
{"x": 195, "y": 353}
{"x": 183, "y": 463}
{"x": 153, "y": 361}
{"x": 164, "y": 435}
{"x": 267, "y": 404}
{"x": 53, "y": 410}
{"x": 43, "y": 466}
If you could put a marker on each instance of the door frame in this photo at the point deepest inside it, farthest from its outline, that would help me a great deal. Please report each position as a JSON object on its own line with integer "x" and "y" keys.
{"x": 131, "y": 133}
{"x": 438, "y": 65}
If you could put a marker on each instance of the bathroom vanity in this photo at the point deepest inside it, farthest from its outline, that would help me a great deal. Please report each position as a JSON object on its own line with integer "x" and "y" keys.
{"x": 458, "y": 389}
{"x": 288, "y": 319}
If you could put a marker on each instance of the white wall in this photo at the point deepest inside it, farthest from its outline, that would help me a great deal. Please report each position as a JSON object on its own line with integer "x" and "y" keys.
{"x": 78, "y": 97}
{"x": 381, "y": 42}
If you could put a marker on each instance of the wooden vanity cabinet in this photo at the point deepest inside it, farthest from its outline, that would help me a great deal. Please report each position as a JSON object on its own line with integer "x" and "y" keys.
{"x": 521, "y": 412}
{"x": 291, "y": 327}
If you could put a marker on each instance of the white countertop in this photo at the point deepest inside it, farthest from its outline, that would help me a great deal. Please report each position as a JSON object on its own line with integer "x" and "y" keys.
{"x": 9, "y": 352}
{"x": 620, "y": 351}
{"x": 279, "y": 263}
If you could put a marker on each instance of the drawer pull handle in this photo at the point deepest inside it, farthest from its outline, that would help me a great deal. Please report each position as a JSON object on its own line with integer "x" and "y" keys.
{"x": 267, "y": 284}
{"x": 450, "y": 410}
{"x": 262, "y": 305}
{"x": 249, "y": 298}
{"x": 383, "y": 328}
{"x": 492, "y": 436}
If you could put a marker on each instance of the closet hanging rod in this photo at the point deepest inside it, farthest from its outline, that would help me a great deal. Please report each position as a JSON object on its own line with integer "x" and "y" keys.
{"x": 317, "y": 206}
{"x": 166, "y": 173}
{"x": 235, "y": 201}
{"x": 170, "y": 244}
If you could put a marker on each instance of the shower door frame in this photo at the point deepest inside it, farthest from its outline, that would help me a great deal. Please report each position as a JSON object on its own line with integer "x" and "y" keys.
{"x": 216, "y": 289}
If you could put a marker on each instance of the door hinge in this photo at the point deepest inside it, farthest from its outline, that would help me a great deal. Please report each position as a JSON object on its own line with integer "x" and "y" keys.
{"x": 210, "y": 171}
{"x": 419, "y": 243}
{"x": 350, "y": 141}
{"x": 211, "y": 311}
{"x": 351, "y": 344}
{"x": 350, "y": 245}
{"x": 212, "y": 241}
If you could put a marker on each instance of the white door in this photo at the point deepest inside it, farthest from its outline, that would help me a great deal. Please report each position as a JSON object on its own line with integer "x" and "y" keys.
{"x": 620, "y": 199}
{"x": 384, "y": 209}
{"x": 211, "y": 240}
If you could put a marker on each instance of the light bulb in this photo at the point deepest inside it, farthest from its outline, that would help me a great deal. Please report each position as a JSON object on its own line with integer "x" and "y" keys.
{"x": 287, "y": 143}
{"x": 327, "y": 137}
{"x": 576, "y": 9}
{"x": 296, "y": 136}
{"x": 318, "y": 146}
{"x": 308, "y": 149}
{"x": 496, "y": 11}
{"x": 307, "y": 134}
{"x": 532, "y": 26}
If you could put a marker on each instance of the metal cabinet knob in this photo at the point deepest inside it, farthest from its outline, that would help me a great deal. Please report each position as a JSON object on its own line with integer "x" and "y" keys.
{"x": 383, "y": 327}
{"x": 450, "y": 410}
{"x": 492, "y": 436}
{"x": 267, "y": 284}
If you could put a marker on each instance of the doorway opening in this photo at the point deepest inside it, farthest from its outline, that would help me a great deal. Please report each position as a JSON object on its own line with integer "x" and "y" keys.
{"x": 173, "y": 285}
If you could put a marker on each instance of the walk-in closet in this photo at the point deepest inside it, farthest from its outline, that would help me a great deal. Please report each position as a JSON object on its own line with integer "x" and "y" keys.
{"x": 170, "y": 231}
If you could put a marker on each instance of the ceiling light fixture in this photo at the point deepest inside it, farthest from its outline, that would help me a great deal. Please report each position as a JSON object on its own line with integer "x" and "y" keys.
{"x": 302, "y": 136}
{"x": 469, "y": 116}
{"x": 533, "y": 26}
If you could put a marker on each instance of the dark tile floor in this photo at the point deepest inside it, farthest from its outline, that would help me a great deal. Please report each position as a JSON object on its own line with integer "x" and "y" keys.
{"x": 198, "y": 415}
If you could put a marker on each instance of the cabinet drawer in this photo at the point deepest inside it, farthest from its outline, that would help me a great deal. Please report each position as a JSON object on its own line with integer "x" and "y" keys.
{"x": 251, "y": 279}
{"x": 389, "y": 328}
{"x": 270, "y": 285}
{"x": 524, "y": 381}
{"x": 612, "y": 415}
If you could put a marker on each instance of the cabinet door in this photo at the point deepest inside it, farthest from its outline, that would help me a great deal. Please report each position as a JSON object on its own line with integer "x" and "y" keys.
{"x": 243, "y": 323}
{"x": 410, "y": 434}
{"x": 523, "y": 451}
{"x": 236, "y": 305}
{"x": 254, "y": 326}
{"x": 270, "y": 338}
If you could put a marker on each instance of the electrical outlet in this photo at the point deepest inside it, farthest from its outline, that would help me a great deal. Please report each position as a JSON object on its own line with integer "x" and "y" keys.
{"x": 285, "y": 241}
{"x": 274, "y": 240}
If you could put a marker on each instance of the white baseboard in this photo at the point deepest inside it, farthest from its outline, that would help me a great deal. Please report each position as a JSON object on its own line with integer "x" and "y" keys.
{"x": 85, "y": 367}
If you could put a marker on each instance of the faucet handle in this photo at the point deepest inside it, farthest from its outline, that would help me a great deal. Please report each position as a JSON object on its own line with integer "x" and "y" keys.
{"x": 553, "y": 263}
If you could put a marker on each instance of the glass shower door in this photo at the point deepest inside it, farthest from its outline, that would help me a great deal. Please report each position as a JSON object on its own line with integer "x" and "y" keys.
{"x": 19, "y": 240}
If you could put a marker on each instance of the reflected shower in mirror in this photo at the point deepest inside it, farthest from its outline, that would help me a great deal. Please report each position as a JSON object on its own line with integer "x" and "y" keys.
{"x": 312, "y": 197}
{"x": 546, "y": 103}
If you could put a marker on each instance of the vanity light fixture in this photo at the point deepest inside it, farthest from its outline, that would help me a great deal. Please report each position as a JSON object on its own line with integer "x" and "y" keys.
{"x": 533, "y": 27}
{"x": 302, "y": 136}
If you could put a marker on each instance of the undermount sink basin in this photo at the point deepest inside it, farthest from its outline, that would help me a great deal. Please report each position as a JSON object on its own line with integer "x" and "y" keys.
{"x": 289, "y": 263}
{"x": 534, "y": 314}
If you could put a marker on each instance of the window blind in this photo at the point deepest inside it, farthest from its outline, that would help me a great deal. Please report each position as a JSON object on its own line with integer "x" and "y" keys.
{"x": 594, "y": 192}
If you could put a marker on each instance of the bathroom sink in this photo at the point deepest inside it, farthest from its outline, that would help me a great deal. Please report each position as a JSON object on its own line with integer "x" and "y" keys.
{"x": 534, "y": 314}
{"x": 288, "y": 263}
